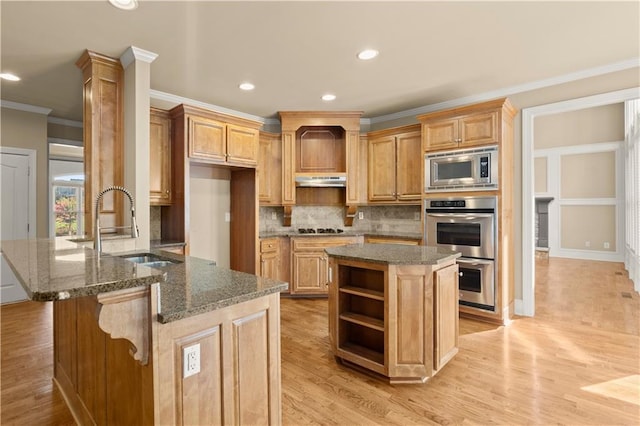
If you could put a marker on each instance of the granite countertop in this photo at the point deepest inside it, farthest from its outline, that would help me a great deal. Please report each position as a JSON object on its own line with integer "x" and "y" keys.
{"x": 197, "y": 285}
{"x": 48, "y": 273}
{"x": 393, "y": 254}
{"x": 188, "y": 288}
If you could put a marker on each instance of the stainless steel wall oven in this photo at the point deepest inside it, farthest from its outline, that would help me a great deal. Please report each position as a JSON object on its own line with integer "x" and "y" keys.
{"x": 467, "y": 225}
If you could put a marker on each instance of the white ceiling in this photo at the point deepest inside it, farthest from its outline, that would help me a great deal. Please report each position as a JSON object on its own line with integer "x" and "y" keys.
{"x": 294, "y": 52}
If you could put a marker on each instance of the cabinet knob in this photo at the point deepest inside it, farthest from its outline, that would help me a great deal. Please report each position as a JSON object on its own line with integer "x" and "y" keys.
{"x": 460, "y": 273}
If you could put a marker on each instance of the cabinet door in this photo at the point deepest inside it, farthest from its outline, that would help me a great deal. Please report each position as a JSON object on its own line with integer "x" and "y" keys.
{"x": 270, "y": 169}
{"x": 382, "y": 169}
{"x": 242, "y": 145}
{"x": 479, "y": 129}
{"x": 206, "y": 139}
{"x": 410, "y": 339}
{"x": 409, "y": 166}
{"x": 269, "y": 265}
{"x": 445, "y": 315}
{"x": 441, "y": 135}
{"x": 159, "y": 158}
{"x": 309, "y": 274}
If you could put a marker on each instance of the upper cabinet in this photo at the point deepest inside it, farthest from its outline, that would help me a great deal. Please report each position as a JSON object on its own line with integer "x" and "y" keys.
{"x": 160, "y": 191}
{"x": 218, "y": 138}
{"x": 395, "y": 165}
{"x": 270, "y": 169}
{"x": 466, "y": 130}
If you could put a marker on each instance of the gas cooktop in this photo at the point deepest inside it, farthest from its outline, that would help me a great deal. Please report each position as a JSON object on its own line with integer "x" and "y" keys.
{"x": 320, "y": 231}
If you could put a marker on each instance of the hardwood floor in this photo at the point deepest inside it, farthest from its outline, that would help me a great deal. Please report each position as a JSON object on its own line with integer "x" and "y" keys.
{"x": 576, "y": 363}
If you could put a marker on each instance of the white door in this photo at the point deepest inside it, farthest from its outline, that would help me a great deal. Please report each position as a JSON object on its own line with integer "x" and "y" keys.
{"x": 15, "y": 218}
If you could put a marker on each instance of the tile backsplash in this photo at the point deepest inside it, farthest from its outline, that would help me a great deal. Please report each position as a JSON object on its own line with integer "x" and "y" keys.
{"x": 401, "y": 219}
{"x": 155, "y": 222}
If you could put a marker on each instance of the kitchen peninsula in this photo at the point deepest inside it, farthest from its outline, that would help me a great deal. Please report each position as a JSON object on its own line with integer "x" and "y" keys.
{"x": 121, "y": 331}
{"x": 393, "y": 309}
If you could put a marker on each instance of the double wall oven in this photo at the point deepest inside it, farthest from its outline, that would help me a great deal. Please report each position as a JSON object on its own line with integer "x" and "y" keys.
{"x": 467, "y": 225}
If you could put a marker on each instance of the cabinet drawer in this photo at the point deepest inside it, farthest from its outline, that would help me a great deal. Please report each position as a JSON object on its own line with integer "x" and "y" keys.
{"x": 319, "y": 243}
{"x": 268, "y": 245}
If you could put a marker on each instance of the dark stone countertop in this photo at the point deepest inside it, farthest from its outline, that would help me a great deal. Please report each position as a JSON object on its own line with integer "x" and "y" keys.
{"x": 188, "y": 288}
{"x": 48, "y": 273}
{"x": 393, "y": 254}
{"x": 197, "y": 285}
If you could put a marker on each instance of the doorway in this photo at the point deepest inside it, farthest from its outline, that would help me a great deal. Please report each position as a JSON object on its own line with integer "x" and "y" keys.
{"x": 18, "y": 211}
{"x": 527, "y": 305}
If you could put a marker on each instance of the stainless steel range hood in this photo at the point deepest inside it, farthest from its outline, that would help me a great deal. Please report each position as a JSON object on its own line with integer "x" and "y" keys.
{"x": 321, "y": 180}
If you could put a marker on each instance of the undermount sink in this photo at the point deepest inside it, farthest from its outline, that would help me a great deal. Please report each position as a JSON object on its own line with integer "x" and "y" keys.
{"x": 151, "y": 260}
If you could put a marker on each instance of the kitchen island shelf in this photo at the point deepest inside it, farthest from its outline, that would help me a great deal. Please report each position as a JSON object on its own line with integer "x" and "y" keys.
{"x": 363, "y": 292}
{"x": 363, "y": 320}
{"x": 393, "y": 309}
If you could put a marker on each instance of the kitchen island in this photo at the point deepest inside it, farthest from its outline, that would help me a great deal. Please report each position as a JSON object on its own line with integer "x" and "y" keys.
{"x": 393, "y": 309}
{"x": 122, "y": 331}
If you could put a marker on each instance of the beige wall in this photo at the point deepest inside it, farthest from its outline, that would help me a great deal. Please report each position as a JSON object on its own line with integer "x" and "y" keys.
{"x": 581, "y": 127}
{"x": 588, "y": 227}
{"x": 60, "y": 131}
{"x": 540, "y": 174}
{"x": 27, "y": 130}
{"x": 588, "y": 175}
{"x": 210, "y": 199}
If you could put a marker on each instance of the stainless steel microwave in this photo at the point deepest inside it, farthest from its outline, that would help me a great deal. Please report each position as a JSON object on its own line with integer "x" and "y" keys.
{"x": 462, "y": 170}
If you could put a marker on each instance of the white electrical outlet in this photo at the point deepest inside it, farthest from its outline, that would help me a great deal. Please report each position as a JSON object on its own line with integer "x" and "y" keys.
{"x": 191, "y": 360}
{"x": 587, "y": 243}
{"x": 360, "y": 215}
{"x": 607, "y": 245}
{"x": 227, "y": 217}
{"x": 274, "y": 216}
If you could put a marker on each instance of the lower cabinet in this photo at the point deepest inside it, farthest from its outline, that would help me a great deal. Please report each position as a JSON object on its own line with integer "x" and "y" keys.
{"x": 400, "y": 321}
{"x": 310, "y": 264}
{"x": 392, "y": 240}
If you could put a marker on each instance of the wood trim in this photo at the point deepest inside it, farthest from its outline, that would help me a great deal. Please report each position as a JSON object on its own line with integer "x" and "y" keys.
{"x": 126, "y": 314}
{"x": 293, "y": 120}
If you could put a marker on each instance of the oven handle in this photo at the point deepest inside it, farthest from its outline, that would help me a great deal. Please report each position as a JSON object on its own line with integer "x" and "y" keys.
{"x": 462, "y": 215}
{"x": 475, "y": 262}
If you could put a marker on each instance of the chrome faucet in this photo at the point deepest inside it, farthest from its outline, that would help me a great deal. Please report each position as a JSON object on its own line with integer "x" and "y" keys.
{"x": 97, "y": 241}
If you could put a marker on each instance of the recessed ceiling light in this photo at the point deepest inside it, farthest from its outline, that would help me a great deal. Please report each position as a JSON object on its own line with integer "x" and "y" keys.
{"x": 328, "y": 97}
{"x": 247, "y": 86}
{"x": 9, "y": 77}
{"x": 124, "y": 4}
{"x": 367, "y": 54}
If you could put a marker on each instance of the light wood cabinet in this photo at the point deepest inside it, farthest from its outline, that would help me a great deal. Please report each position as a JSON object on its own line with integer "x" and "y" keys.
{"x": 463, "y": 132}
{"x": 445, "y": 315}
{"x": 270, "y": 258}
{"x": 218, "y": 138}
{"x": 160, "y": 191}
{"x": 310, "y": 264}
{"x": 270, "y": 169}
{"x": 392, "y": 240}
{"x": 102, "y": 383}
{"x": 395, "y": 165}
{"x": 321, "y": 125}
{"x": 399, "y": 321}
{"x": 486, "y": 123}
{"x": 103, "y": 135}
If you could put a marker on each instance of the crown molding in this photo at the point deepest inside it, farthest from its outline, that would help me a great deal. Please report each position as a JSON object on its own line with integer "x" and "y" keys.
{"x": 135, "y": 53}
{"x": 507, "y": 91}
{"x": 64, "y": 122}
{"x": 177, "y": 100}
{"x": 25, "y": 107}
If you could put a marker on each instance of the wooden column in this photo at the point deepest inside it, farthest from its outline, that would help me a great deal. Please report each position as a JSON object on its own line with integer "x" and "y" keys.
{"x": 103, "y": 92}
